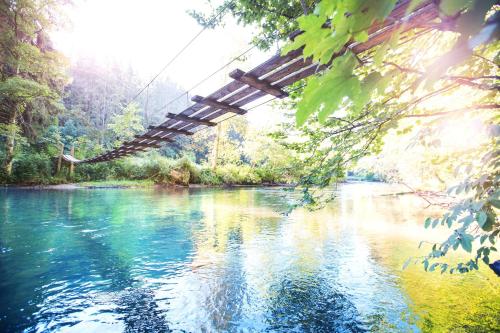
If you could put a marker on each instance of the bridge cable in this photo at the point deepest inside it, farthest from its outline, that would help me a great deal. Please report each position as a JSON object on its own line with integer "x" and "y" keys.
{"x": 186, "y": 93}
{"x": 249, "y": 109}
{"x": 178, "y": 54}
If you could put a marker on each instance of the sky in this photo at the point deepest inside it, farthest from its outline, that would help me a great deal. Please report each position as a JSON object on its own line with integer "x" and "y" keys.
{"x": 146, "y": 34}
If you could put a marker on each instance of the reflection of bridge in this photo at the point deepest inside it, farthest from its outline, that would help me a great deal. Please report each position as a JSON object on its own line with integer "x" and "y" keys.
{"x": 269, "y": 78}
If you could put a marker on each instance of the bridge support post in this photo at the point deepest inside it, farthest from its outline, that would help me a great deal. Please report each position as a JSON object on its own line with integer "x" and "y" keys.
{"x": 72, "y": 165}
{"x": 59, "y": 161}
{"x": 215, "y": 151}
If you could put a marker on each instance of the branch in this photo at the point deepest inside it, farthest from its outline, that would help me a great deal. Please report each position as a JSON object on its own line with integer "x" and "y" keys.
{"x": 486, "y": 59}
{"x": 305, "y": 8}
{"x": 466, "y": 80}
{"x": 462, "y": 110}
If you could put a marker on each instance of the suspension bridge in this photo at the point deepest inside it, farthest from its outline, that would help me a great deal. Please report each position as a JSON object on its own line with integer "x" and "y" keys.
{"x": 271, "y": 78}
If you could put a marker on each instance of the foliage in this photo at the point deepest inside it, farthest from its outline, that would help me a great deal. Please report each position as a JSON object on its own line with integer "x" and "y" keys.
{"x": 165, "y": 171}
{"x": 124, "y": 126}
{"x": 473, "y": 217}
{"x": 31, "y": 72}
{"x": 345, "y": 111}
{"x": 231, "y": 174}
{"x": 32, "y": 168}
{"x": 275, "y": 19}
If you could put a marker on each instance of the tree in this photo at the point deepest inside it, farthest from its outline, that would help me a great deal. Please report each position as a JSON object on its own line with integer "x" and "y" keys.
{"x": 360, "y": 98}
{"x": 125, "y": 126}
{"x": 95, "y": 95}
{"x": 275, "y": 19}
{"x": 345, "y": 111}
{"x": 31, "y": 72}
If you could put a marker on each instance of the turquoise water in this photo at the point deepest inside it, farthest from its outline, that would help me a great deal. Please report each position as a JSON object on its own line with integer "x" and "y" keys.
{"x": 225, "y": 260}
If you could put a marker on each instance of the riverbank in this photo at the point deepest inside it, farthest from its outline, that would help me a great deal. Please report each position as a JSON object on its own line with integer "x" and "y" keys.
{"x": 131, "y": 184}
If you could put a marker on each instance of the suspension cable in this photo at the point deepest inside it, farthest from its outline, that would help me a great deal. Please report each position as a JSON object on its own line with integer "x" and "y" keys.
{"x": 205, "y": 79}
{"x": 178, "y": 54}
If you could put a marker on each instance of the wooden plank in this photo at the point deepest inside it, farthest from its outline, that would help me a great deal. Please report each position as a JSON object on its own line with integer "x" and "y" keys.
{"x": 275, "y": 62}
{"x": 249, "y": 94}
{"x": 422, "y": 15}
{"x": 139, "y": 144}
{"x": 253, "y": 81}
{"x": 229, "y": 89}
{"x": 156, "y": 138}
{"x": 192, "y": 120}
{"x": 219, "y": 105}
{"x": 170, "y": 130}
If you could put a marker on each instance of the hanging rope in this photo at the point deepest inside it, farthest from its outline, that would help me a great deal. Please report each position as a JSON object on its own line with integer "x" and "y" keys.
{"x": 178, "y": 54}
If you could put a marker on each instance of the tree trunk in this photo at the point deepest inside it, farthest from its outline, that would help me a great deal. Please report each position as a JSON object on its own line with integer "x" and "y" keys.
{"x": 305, "y": 8}
{"x": 71, "y": 165}
{"x": 59, "y": 161}
{"x": 10, "y": 145}
{"x": 215, "y": 151}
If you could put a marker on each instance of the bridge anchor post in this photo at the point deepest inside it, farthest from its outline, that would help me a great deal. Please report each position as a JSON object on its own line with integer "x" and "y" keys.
{"x": 59, "y": 161}
{"x": 72, "y": 165}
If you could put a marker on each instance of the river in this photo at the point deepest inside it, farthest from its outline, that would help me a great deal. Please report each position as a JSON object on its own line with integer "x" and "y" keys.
{"x": 228, "y": 260}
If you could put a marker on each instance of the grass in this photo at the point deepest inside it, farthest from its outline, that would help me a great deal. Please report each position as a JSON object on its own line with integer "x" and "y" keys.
{"x": 118, "y": 183}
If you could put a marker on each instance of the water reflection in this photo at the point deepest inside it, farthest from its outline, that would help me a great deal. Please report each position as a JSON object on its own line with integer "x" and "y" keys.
{"x": 310, "y": 304}
{"x": 217, "y": 260}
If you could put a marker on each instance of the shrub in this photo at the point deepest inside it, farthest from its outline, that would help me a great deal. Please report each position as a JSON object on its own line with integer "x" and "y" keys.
{"x": 158, "y": 170}
{"x": 238, "y": 174}
{"x": 32, "y": 168}
{"x": 186, "y": 166}
{"x": 93, "y": 171}
{"x": 268, "y": 175}
{"x": 130, "y": 168}
{"x": 209, "y": 177}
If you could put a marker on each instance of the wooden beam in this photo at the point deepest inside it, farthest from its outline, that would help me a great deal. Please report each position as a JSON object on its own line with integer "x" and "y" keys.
{"x": 219, "y": 105}
{"x": 191, "y": 120}
{"x": 138, "y": 144}
{"x": 156, "y": 138}
{"x": 255, "y": 82}
{"x": 130, "y": 150}
{"x": 171, "y": 130}
{"x": 124, "y": 148}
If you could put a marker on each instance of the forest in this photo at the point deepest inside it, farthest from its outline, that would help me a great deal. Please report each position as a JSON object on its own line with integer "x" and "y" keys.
{"x": 88, "y": 115}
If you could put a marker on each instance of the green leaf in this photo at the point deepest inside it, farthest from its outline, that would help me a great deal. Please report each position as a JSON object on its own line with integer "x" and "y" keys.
{"x": 483, "y": 238}
{"x": 433, "y": 267}
{"x": 413, "y": 4}
{"x": 384, "y": 48}
{"x": 427, "y": 222}
{"x": 466, "y": 242}
{"x": 492, "y": 236}
{"x": 495, "y": 203}
{"x": 361, "y": 36}
{"x": 481, "y": 218}
{"x": 490, "y": 221}
{"x": 472, "y": 21}
{"x": 451, "y": 7}
{"x": 324, "y": 93}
